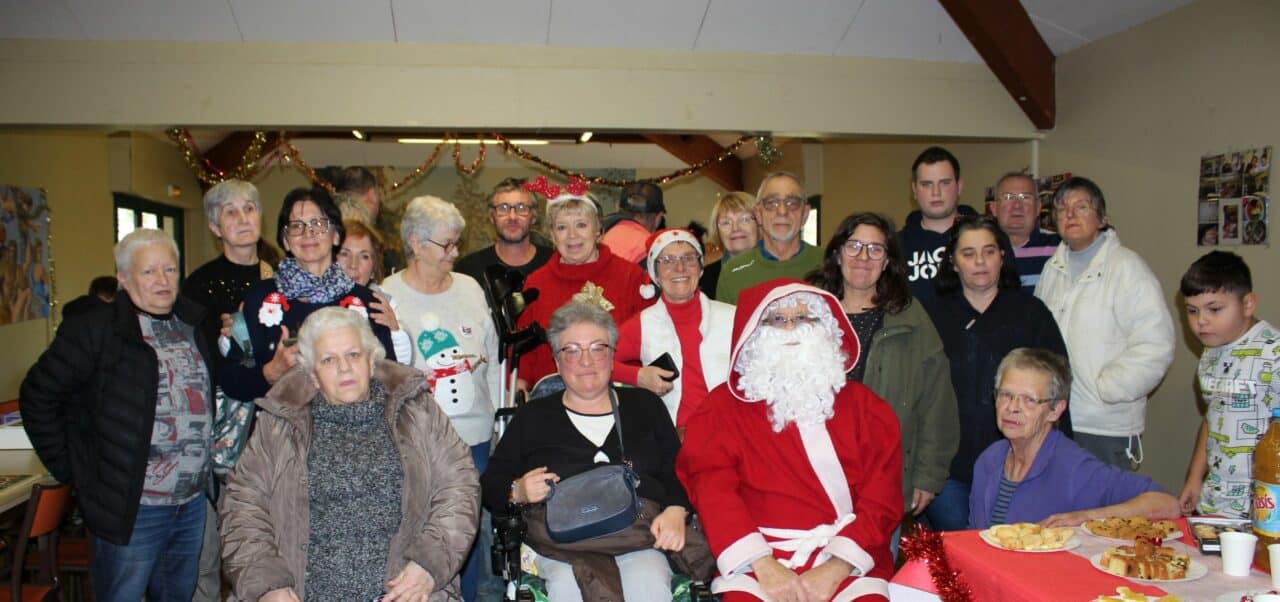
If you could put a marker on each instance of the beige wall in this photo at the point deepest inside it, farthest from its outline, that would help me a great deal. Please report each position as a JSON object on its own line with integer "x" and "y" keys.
{"x": 1135, "y": 113}
{"x": 131, "y": 84}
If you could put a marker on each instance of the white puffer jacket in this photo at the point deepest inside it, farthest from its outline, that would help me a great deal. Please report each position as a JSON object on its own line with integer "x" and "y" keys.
{"x": 1119, "y": 334}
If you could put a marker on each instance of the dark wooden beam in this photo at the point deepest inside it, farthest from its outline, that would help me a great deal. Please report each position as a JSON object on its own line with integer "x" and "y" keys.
{"x": 1002, "y": 33}
{"x": 691, "y": 149}
{"x": 229, "y": 152}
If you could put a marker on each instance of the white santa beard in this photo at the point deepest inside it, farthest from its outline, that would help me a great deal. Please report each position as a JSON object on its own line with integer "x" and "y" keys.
{"x": 798, "y": 373}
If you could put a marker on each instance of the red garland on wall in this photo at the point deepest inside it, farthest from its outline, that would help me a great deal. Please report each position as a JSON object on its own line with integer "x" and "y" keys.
{"x": 925, "y": 545}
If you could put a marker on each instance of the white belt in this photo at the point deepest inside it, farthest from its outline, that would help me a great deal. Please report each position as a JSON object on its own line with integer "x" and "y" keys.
{"x": 802, "y": 543}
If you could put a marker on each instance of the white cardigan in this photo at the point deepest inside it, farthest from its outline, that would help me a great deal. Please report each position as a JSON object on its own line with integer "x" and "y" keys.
{"x": 658, "y": 336}
{"x": 1118, "y": 331}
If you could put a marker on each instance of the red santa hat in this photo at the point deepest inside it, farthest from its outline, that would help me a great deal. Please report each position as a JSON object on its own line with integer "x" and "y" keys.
{"x": 752, "y": 303}
{"x": 661, "y": 239}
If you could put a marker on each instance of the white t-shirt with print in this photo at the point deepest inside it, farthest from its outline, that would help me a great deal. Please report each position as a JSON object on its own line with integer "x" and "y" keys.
{"x": 1240, "y": 382}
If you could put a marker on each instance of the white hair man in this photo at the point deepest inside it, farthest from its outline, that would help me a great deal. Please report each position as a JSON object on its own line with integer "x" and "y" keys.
{"x": 795, "y": 471}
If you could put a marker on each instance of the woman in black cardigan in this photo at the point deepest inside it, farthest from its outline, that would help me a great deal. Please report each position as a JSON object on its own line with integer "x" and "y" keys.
{"x": 559, "y": 436}
{"x": 982, "y": 313}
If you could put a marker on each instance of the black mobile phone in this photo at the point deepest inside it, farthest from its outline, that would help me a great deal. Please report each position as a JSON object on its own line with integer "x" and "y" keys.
{"x": 665, "y": 362}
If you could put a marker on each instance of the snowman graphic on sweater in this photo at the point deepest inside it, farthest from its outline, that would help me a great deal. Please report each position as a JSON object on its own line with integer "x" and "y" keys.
{"x": 448, "y": 371}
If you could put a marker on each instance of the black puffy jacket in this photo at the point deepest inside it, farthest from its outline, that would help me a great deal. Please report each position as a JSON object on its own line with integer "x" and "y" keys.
{"x": 89, "y": 404}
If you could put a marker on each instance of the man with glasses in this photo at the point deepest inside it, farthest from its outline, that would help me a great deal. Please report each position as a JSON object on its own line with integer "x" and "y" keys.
{"x": 936, "y": 186}
{"x": 795, "y": 471}
{"x": 513, "y": 211}
{"x": 781, "y": 211}
{"x": 1017, "y": 209}
{"x": 640, "y": 213}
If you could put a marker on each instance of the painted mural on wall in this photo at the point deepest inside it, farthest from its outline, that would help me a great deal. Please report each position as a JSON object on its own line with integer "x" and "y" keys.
{"x": 25, "y": 275}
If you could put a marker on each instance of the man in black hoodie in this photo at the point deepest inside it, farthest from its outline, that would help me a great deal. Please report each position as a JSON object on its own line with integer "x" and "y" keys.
{"x": 936, "y": 185}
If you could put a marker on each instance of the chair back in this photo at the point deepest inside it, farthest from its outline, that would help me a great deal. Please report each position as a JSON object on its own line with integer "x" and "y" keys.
{"x": 45, "y": 510}
{"x": 547, "y": 385}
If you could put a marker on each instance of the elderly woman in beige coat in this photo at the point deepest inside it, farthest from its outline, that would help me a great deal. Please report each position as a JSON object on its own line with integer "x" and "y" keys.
{"x": 353, "y": 481}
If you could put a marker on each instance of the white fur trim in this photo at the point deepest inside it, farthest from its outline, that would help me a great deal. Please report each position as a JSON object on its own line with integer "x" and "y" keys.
{"x": 849, "y": 551}
{"x": 661, "y": 242}
{"x": 863, "y": 586}
{"x": 737, "y": 557}
{"x": 821, "y": 453}
{"x": 648, "y": 291}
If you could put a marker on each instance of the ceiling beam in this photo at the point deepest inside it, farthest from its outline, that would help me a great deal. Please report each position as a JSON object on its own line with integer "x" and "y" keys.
{"x": 695, "y": 148}
{"x": 1002, "y": 33}
{"x": 229, "y": 152}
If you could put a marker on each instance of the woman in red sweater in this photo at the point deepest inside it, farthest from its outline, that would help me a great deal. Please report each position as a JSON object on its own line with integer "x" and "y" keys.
{"x": 581, "y": 268}
{"x": 686, "y": 324}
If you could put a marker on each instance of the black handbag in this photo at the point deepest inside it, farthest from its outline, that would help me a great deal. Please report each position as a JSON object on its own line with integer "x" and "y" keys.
{"x": 599, "y": 502}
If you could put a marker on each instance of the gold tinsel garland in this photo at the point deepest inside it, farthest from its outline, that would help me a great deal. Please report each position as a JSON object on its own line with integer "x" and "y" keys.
{"x": 252, "y": 163}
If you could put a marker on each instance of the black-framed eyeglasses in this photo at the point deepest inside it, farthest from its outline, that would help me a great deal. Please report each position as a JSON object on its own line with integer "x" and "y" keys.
{"x": 596, "y": 351}
{"x": 852, "y": 248}
{"x": 781, "y": 321}
{"x": 670, "y": 261}
{"x": 318, "y": 225}
{"x": 792, "y": 203}
{"x": 516, "y": 208}
{"x": 1024, "y": 400}
{"x": 446, "y": 246}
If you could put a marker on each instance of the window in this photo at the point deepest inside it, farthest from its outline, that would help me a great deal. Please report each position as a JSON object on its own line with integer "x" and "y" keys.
{"x": 809, "y": 234}
{"x": 133, "y": 212}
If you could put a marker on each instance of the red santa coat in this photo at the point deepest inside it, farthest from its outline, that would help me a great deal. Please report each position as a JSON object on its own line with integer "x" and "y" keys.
{"x": 815, "y": 492}
{"x": 618, "y": 281}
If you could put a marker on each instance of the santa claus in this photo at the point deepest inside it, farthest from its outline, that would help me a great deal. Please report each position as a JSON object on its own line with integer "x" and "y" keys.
{"x": 794, "y": 471}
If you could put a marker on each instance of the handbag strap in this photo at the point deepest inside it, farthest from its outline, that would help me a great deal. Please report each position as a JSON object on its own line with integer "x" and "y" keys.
{"x": 617, "y": 424}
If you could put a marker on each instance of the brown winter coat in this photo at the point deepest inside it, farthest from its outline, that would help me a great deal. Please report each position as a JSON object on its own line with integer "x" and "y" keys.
{"x": 265, "y": 509}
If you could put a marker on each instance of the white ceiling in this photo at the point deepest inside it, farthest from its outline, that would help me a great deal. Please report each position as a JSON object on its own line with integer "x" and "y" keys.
{"x": 908, "y": 29}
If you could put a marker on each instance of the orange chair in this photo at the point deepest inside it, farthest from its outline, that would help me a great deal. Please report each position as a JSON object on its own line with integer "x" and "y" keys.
{"x": 45, "y": 511}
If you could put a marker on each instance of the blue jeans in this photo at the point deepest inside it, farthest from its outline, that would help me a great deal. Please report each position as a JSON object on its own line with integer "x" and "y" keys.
{"x": 478, "y": 559}
{"x": 950, "y": 510}
{"x": 161, "y": 560}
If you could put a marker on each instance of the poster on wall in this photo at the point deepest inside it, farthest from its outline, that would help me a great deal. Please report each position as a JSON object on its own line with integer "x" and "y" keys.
{"x": 24, "y": 255}
{"x": 1234, "y": 200}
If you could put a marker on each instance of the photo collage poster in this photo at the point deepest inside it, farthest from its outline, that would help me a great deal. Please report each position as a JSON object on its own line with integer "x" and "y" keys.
{"x": 24, "y": 255}
{"x": 1235, "y": 198}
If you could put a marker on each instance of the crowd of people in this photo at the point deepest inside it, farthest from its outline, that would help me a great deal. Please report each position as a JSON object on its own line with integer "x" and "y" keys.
{"x": 784, "y": 408}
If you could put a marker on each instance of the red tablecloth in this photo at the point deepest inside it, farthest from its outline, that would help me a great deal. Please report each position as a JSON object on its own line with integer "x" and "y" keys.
{"x": 995, "y": 574}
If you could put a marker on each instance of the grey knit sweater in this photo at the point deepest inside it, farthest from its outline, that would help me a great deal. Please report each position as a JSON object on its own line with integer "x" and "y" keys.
{"x": 354, "y": 477}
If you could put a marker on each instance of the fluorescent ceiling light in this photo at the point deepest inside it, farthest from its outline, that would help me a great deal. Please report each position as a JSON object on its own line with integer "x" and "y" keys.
{"x": 468, "y": 141}
{"x": 585, "y": 137}
{"x": 358, "y": 134}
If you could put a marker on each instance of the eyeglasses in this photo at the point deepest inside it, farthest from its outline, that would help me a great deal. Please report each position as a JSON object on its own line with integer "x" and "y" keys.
{"x": 596, "y": 351}
{"x": 446, "y": 246}
{"x": 1023, "y": 400}
{"x": 670, "y": 261}
{"x": 518, "y": 208}
{"x": 853, "y": 248}
{"x": 319, "y": 225}
{"x": 1017, "y": 196}
{"x": 781, "y": 321}
{"x": 792, "y": 203}
{"x": 1077, "y": 209}
{"x": 742, "y": 220}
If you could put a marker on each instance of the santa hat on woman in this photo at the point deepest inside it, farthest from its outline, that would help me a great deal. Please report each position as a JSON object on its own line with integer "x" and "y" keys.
{"x": 656, "y": 243}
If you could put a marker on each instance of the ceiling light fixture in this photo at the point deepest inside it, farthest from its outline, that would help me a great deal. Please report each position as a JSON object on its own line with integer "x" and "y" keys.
{"x": 358, "y": 134}
{"x": 467, "y": 141}
{"x": 585, "y": 137}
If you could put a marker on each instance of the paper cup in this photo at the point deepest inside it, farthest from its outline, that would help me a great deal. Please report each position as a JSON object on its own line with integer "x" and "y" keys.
{"x": 1237, "y": 553}
{"x": 1265, "y": 598}
{"x": 1274, "y": 551}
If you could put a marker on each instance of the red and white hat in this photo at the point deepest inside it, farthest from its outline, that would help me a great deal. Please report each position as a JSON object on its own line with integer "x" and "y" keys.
{"x": 659, "y": 241}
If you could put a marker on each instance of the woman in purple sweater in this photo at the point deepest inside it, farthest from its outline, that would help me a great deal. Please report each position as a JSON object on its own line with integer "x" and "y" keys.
{"x": 1038, "y": 475}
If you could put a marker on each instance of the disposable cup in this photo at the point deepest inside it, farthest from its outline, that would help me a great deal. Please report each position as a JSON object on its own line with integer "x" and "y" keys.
{"x": 1265, "y": 598}
{"x": 1237, "y": 552}
{"x": 1274, "y": 551}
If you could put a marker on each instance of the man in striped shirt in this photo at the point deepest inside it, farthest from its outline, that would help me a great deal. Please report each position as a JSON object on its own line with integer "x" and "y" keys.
{"x": 1017, "y": 208}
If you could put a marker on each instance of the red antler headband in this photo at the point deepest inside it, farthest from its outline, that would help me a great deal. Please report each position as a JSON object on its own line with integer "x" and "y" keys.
{"x": 575, "y": 189}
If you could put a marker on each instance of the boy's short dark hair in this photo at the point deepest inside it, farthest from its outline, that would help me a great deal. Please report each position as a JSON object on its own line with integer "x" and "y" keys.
{"x": 935, "y": 154}
{"x": 1217, "y": 271}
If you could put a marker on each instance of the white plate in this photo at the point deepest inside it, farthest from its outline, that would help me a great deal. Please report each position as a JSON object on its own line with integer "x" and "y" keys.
{"x": 1236, "y": 595}
{"x": 1071, "y": 544}
{"x": 1195, "y": 571}
{"x": 1085, "y": 527}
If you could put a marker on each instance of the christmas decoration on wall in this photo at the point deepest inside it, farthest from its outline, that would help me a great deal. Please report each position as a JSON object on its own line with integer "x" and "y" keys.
{"x": 767, "y": 151}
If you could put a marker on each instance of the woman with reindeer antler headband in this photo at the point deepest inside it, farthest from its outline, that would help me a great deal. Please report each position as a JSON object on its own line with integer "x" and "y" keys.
{"x": 580, "y": 269}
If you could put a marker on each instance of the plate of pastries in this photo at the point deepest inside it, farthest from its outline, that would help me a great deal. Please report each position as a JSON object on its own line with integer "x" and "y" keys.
{"x": 1130, "y": 529}
{"x": 1124, "y": 594}
{"x": 1146, "y": 561}
{"x": 1030, "y": 537}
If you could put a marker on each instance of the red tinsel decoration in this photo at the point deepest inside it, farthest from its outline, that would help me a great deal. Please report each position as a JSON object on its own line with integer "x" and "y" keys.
{"x": 925, "y": 545}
